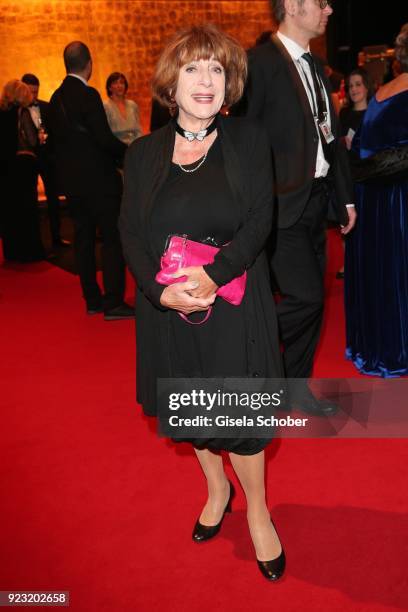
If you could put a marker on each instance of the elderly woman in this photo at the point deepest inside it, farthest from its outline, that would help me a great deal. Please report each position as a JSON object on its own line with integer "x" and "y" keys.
{"x": 19, "y": 215}
{"x": 122, "y": 114}
{"x": 204, "y": 175}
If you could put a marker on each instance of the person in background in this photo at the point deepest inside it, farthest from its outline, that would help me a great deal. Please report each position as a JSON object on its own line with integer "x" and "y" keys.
{"x": 204, "y": 175}
{"x": 19, "y": 211}
{"x": 395, "y": 68}
{"x": 45, "y": 159}
{"x": 122, "y": 114}
{"x": 288, "y": 93}
{"x": 87, "y": 155}
{"x": 359, "y": 90}
{"x": 376, "y": 261}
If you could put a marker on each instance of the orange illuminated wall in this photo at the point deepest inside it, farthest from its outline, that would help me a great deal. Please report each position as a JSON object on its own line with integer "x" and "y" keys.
{"x": 124, "y": 35}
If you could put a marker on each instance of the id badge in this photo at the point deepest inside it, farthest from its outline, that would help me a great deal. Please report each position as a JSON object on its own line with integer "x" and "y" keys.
{"x": 326, "y": 131}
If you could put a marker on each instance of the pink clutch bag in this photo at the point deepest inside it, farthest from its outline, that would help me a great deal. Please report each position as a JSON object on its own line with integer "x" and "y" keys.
{"x": 183, "y": 253}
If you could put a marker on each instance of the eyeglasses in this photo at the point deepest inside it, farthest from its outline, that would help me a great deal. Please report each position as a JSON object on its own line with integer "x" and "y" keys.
{"x": 324, "y": 3}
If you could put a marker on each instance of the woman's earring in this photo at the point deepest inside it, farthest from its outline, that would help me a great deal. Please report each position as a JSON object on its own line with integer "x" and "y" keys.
{"x": 224, "y": 110}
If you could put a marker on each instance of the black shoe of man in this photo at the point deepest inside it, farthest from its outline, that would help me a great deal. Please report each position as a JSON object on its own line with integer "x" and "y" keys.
{"x": 123, "y": 311}
{"x": 308, "y": 403}
{"x": 93, "y": 310}
{"x": 301, "y": 398}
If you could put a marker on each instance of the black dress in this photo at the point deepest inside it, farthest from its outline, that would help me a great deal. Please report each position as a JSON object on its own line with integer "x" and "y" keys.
{"x": 376, "y": 264}
{"x": 200, "y": 204}
{"x": 19, "y": 215}
{"x": 350, "y": 119}
{"x": 236, "y": 341}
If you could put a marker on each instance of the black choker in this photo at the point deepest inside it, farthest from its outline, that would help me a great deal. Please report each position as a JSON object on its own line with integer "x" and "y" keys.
{"x": 195, "y": 135}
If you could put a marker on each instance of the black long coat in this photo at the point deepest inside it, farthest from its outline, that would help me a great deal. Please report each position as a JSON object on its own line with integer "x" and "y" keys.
{"x": 248, "y": 168}
{"x": 87, "y": 153}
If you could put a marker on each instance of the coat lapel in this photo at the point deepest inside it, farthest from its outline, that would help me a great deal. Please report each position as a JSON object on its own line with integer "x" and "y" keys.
{"x": 297, "y": 82}
{"x": 295, "y": 78}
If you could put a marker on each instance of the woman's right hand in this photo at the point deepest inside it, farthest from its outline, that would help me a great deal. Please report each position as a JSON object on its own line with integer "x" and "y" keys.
{"x": 177, "y": 297}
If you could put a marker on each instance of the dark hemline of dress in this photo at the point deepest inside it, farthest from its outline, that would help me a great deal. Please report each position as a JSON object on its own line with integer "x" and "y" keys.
{"x": 376, "y": 262}
{"x": 19, "y": 214}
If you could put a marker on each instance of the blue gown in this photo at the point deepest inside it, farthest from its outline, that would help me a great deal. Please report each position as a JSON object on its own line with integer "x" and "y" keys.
{"x": 376, "y": 262}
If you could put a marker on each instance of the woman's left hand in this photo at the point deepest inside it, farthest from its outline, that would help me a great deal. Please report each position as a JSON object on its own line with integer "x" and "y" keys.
{"x": 206, "y": 287}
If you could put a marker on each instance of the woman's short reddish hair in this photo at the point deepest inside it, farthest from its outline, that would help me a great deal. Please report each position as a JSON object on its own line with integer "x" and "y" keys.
{"x": 15, "y": 92}
{"x": 200, "y": 42}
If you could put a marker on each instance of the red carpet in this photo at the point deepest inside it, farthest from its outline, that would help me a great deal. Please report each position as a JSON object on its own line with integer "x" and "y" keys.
{"x": 93, "y": 502}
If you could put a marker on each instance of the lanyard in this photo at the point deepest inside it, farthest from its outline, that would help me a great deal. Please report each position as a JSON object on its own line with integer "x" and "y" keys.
{"x": 314, "y": 94}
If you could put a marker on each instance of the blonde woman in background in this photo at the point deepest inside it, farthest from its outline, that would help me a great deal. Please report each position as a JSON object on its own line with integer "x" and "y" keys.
{"x": 20, "y": 226}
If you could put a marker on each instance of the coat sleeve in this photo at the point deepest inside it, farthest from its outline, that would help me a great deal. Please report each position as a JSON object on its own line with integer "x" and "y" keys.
{"x": 97, "y": 123}
{"x": 28, "y": 129}
{"x": 232, "y": 260}
{"x": 342, "y": 179}
{"x": 343, "y": 185}
{"x": 137, "y": 257}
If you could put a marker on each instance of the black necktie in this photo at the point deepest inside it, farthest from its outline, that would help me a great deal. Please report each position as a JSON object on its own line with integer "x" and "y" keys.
{"x": 321, "y": 104}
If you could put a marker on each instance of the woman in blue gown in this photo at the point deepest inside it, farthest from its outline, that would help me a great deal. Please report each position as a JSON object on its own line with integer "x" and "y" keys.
{"x": 376, "y": 264}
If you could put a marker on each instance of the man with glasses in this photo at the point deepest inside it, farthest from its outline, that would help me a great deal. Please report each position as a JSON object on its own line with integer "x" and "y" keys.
{"x": 290, "y": 95}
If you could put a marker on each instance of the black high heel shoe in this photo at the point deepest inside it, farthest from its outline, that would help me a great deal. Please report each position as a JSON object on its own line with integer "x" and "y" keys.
{"x": 202, "y": 533}
{"x": 274, "y": 569}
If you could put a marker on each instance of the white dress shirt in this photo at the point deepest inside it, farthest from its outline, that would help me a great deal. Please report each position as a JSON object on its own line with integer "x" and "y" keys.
{"x": 35, "y": 115}
{"x": 85, "y": 82}
{"x": 303, "y": 68}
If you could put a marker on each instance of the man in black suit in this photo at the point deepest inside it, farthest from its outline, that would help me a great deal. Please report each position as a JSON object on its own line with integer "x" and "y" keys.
{"x": 289, "y": 94}
{"x": 45, "y": 159}
{"x": 87, "y": 156}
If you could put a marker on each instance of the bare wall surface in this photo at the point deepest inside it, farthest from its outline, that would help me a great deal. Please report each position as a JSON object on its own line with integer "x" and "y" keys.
{"x": 124, "y": 35}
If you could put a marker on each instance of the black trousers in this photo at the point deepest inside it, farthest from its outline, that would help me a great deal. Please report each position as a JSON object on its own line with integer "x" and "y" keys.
{"x": 88, "y": 213}
{"x": 47, "y": 171}
{"x": 298, "y": 264}
{"x": 20, "y": 218}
